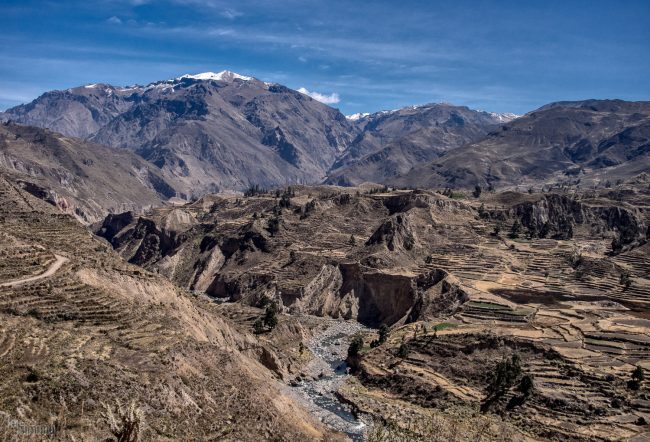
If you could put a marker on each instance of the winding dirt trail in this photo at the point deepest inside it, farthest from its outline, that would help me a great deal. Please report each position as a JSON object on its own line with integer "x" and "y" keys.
{"x": 54, "y": 267}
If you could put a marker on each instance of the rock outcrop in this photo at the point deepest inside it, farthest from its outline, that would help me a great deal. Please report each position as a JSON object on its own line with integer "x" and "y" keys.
{"x": 555, "y": 215}
{"x": 395, "y": 233}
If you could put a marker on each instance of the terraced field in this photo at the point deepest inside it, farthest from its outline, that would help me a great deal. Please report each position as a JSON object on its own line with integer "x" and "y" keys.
{"x": 459, "y": 291}
{"x": 570, "y": 306}
{"x": 81, "y": 331}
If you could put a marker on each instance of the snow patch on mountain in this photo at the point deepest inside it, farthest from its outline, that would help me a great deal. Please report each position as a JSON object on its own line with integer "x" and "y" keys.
{"x": 218, "y": 76}
{"x": 357, "y": 116}
{"x": 505, "y": 117}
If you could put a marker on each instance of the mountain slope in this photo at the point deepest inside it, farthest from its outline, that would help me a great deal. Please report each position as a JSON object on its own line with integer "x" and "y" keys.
{"x": 77, "y": 112}
{"x": 392, "y": 142}
{"x": 208, "y": 131}
{"x": 592, "y": 140}
{"x": 84, "y": 178}
{"x": 98, "y": 332}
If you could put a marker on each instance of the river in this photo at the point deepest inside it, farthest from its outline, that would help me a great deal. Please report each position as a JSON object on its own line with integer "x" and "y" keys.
{"x": 325, "y": 373}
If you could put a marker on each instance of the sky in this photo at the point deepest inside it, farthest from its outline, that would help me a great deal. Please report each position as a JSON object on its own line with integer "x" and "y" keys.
{"x": 358, "y": 56}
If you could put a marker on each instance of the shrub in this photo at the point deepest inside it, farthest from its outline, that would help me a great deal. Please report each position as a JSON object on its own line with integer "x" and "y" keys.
{"x": 125, "y": 424}
{"x": 258, "y": 326}
{"x": 482, "y": 212}
{"x": 526, "y": 385}
{"x": 264, "y": 301}
{"x": 626, "y": 282}
{"x": 274, "y": 225}
{"x": 33, "y": 375}
{"x": 285, "y": 201}
{"x": 403, "y": 350}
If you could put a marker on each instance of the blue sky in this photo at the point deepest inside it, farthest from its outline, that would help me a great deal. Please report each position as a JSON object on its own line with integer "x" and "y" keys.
{"x": 503, "y": 56}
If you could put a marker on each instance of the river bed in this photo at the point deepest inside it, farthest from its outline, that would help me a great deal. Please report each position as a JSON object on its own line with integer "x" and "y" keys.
{"x": 323, "y": 376}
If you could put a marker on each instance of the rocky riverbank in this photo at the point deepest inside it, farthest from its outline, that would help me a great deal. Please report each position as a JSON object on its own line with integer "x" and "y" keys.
{"x": 316, "y": 385}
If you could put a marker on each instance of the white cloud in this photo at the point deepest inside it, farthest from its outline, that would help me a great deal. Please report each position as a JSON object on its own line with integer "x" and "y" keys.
{"x": 114, "y": 20}
{"x": 231, "y": 14}
{"x": 327, "y": 99}
{"x": 302, "y": 59}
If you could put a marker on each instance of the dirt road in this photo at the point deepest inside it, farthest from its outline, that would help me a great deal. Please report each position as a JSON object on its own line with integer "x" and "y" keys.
{"x": 54, "y": 267}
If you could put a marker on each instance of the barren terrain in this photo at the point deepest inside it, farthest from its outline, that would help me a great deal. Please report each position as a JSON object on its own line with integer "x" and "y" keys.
{"x": 560, "y": 279}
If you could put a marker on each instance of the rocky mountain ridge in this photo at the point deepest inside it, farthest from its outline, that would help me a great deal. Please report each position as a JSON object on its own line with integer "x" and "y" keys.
{"x": 593, "y": 141}
{"x": 392, "y": 142}
{"x": 225, "y": 131}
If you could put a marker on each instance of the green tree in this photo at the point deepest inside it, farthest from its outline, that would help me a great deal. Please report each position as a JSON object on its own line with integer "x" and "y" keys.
{"x": 505, "y": 374}
{"x": 271, "y": 315}
{"x": 403, "y": 350}
{"x": 383, "y": 333}
{"x": 258, "y": 326}
{"x": 515, "y": 230}
{"x": 355, "y": 346}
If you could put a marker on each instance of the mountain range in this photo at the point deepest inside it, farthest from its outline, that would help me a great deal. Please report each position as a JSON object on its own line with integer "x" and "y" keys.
{"x": 206, "y": 132}
{"x": 356, "y": 309}
{"x": 593, "y": 141}
{"x": 215, "y": 132}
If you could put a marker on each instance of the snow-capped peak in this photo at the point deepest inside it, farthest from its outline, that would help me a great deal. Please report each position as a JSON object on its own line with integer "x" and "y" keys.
{"x": 357, "y": 116}
{"x": 504, "y": 117}
{"x": 218, "y": 76}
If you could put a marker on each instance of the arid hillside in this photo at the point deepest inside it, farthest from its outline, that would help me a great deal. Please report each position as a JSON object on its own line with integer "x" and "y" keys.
{"x": 92, "y": 347}
{"x": 558, "y": 280}
{"x": 587, "y": 142}
{"x": 84, "y": 179}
